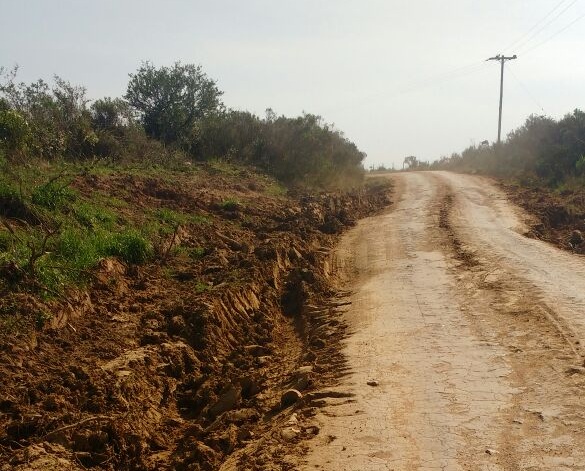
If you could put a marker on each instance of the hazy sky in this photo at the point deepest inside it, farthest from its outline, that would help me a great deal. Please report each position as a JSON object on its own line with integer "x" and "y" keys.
{"x": 398, "y": 77}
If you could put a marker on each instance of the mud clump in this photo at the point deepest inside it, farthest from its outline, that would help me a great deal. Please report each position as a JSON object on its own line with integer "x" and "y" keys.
{"x": 179, "y": 363}
{"x": 576, "y": 238}
{"x": 290, "y": 397}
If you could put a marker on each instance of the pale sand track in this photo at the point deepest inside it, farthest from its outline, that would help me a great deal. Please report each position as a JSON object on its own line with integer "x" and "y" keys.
{"x": 472, "y": 331}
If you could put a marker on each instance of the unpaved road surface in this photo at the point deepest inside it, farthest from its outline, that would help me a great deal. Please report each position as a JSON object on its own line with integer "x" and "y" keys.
{"x": 469, "y": 333}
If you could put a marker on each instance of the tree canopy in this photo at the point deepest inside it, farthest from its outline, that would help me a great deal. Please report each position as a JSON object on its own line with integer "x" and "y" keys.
{"x": 170, "y": 100}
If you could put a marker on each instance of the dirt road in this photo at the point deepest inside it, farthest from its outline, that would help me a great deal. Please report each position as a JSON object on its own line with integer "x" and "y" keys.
{"x": 470, "y": 336}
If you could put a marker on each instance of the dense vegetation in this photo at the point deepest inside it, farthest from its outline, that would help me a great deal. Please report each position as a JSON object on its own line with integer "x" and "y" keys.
{"x": 170, "y": 125}
{"x": 543, "y": 150}
{"x": 169, "y": 112}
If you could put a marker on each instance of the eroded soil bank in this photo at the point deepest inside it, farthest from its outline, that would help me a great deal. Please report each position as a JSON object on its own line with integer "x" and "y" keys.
{"x": 465, "y": 350}
{"x": 559, "y": 215}
{"x": 181, "y": 363}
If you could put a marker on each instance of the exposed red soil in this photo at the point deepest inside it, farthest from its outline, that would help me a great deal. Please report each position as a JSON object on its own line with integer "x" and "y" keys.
{"x": 181, "y": 363}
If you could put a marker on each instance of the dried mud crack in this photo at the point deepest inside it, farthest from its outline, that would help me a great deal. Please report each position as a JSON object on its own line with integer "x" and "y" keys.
{"x": 182, "y": 364}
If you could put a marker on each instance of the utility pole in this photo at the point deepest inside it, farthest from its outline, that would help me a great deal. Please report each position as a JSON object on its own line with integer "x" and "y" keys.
{"x": 502, "y": 59}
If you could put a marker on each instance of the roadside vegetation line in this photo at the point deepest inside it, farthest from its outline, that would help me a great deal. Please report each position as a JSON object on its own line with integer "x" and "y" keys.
{"x": 542, "y": 152}
{"x": 170, "y": 115}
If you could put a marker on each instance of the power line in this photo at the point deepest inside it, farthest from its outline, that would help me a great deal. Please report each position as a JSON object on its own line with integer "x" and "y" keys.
{"x": 445, "y": 77}
{"x": 429, "y": 81}
{"x": 580, "y": 17}
{"x": 543, "y": 27}
{"x": 509, "y": 46}
{"x": 526, "y": 90}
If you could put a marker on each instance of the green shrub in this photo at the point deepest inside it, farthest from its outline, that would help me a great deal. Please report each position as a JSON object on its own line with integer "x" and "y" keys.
{"x": 14, "y": 131}
{"x": 230, "y": 205}
{"x": 196, "y": 253}
{"x": 130, "y": 246}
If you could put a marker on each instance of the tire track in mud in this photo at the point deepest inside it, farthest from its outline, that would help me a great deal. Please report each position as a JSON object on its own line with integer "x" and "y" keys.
{"x": 539, "y": 431}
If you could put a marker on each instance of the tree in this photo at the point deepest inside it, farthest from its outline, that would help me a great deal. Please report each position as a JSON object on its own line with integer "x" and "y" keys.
{"x": 170, "y": 100}
{"x": 411, "y": 162}
{"x": 110, "y": 114}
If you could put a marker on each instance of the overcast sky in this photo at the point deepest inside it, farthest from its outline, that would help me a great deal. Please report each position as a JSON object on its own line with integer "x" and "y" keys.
{"x": 398, "y": 77}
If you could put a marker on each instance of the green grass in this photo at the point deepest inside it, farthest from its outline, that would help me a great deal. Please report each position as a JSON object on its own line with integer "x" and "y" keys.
{"x": 8, "y": 190}
{"x": 275, "y": 189}
{"x": 170, "y": 217}
{"x": 52, "y": 195}
{"x": 197, "y": 253}
{"x": 92, "y": 216}
{"x": 202, "y": 287}
{"x": 131, "y": 246}
{"x": 87, "y": 227}
{"x": 81, "y": 249}
{"x": 167, "y": 220}
{"x": 230, "y": 204}
{"x": 221, "y": 166}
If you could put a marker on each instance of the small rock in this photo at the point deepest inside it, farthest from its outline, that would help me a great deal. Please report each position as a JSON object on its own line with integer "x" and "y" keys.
{"x": 293, "y": 420}
{"x": 301, "y": 383}
{"x": 312, "y": 430}
{"x": 250, "y": 386}
{"x": 373, "y": 383}
{"x": 241, "y": 415}
{"x": 310, "y": 356}
{"x": 304, "y": 370}
{"x": 264, "y": 360}
{"x": 227, "y": 401}
{"x": 244, "y": 433}
{"x": 489, "y": 451}
{"x": 302, "y": 378}
{"x": 257, "y": 350}
{"x": 290, "y": 397}
{"x": 177, "y": 325}
{"x": 318, "y": 343}
{"x": 290, "y": 433}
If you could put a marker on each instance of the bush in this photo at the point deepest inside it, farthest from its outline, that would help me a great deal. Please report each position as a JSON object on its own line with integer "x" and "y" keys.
{"x": 53, "y": 121}
{"x": 130, "y": 246}
{"x": 14, "y": 131}
{"x": 302, "y": 151}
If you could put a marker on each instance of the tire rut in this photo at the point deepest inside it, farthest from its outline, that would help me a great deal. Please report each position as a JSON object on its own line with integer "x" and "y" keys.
{"x": 543, "y": 352}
